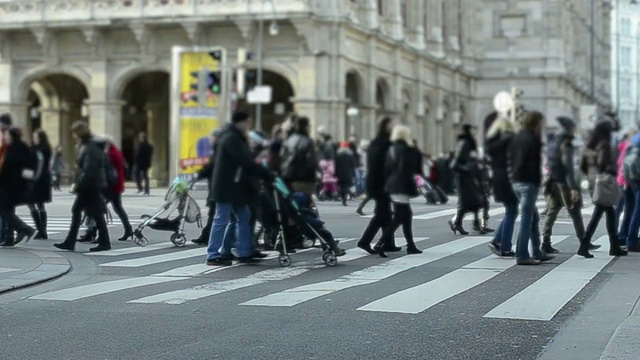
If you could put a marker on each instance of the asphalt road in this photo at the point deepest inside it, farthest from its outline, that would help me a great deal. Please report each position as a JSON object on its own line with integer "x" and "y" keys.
{"x": 455, "y": 301}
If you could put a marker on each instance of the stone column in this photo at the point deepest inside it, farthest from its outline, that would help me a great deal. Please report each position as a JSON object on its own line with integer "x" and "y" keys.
{"x": 371, "y": 13}
{"x": 158, "y": 135}
{"x": 394, "y": 19}
{"x": 105, "y": 118}
{"x": 416, "y": 28}
{"x": 51, "y": 124}
{"x": 434, "y": 32}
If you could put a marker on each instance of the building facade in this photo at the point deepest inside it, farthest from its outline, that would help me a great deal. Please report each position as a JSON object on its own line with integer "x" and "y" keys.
{"x": 433, "y": 64}
{"x": 625, "y": 61}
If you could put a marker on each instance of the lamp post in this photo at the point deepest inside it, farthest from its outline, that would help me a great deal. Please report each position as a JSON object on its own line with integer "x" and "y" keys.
{"x": 273, "y": 31}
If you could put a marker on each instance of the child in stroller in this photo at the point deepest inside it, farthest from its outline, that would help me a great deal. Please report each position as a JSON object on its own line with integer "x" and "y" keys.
{"x": 311, "y": 217}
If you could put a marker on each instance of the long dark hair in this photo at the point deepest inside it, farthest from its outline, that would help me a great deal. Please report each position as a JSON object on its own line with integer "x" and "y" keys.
{"x": 383, "y": 127}
{"x": 601, "y": 133}
{"x": 43, "y": 141}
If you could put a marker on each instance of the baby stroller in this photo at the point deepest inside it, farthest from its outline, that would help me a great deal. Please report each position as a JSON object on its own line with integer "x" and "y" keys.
{"x": 286, "y": 208}
{"x": 177, "y": 201}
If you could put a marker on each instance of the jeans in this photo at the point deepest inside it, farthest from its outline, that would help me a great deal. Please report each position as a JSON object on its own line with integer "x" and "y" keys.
{"x": 628, "y": 204}
{"x": 527, "y": 195}
{"x": 504, "y": 232}
{"x": 220, "y": 240}
{"x": 634, "y": 224}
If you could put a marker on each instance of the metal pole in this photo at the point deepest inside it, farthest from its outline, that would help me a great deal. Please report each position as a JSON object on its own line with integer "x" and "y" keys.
{"x": 260, "y": 64}
{"x": 593, "y": 53}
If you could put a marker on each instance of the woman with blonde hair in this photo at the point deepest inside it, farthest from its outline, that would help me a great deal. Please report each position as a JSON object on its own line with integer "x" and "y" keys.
{"x": 497, "y": 144}
{"x": 400, "y": 168}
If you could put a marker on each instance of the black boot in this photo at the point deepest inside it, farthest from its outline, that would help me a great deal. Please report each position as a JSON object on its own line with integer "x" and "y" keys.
{"x": 614, "y": 247}
{"x": 37, "y": 222}
{"x": 379, "y": 249}
{"x": 546, "y": 246}
{"x": 43, "y": 225}
{"x": 457, "y": 226}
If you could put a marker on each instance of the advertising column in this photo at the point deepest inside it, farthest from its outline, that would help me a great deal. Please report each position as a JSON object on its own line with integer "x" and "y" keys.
{"x": 198, "y": 104}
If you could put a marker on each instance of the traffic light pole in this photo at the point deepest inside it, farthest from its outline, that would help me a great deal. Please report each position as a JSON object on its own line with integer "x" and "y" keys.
{"x": 260, "y": 64}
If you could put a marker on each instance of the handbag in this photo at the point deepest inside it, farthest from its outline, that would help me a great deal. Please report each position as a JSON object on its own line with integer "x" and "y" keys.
{"x": 606, "y": 191}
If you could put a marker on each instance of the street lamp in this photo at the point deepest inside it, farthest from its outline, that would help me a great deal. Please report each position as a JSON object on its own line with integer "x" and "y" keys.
{"x": 273, "y": 31}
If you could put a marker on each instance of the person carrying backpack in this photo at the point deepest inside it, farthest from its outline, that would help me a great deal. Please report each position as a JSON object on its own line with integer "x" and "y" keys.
{"x": 115, "y": 175}
{"x": 631, "y": 172}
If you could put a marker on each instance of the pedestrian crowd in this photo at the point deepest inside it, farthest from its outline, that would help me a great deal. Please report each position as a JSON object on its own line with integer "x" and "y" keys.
{"x": 389, "y": 170}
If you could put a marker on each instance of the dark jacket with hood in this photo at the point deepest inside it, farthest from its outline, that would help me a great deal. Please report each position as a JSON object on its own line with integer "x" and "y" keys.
{"x": 91, "y": 175}
{"x": 471, "y": 193}
{"x": 235, "y": 169}
{"x": 400, "y": 169}
{"x": 525, "y": 152}
{"x": 497, "y": 147}
{"x": 561, "y": 156}
{"x": 299, "y": 160}
{"x": 17, "y": 158}
{"x": 376, "y": 155}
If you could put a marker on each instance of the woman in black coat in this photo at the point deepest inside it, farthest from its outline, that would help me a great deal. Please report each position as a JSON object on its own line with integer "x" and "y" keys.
{"x": 401, "y": 166}
{"x": 497, "y": 146}
{"x": 41, "y": 190}
{"x": 346, "y": 164}
{"x": 15, "y": 176}
{"x": 470, "y": 190}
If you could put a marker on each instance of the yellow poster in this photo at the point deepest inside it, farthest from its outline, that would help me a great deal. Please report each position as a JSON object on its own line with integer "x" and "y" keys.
{"x": 200, "y": 84}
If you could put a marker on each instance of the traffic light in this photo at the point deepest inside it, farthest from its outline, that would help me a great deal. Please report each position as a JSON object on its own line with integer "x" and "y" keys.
{"x": 216, "y": 55}
{"x": 214, "y": 82}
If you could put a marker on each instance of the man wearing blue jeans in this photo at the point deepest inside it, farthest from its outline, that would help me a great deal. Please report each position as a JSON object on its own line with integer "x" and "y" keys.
{"x": 233, "y": 179}
{"x": 525, "y": 159}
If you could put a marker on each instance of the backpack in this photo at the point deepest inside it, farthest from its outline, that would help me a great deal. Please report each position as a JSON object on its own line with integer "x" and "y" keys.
{"x": 631, "y": 163}
{"x": 110, "y": 170}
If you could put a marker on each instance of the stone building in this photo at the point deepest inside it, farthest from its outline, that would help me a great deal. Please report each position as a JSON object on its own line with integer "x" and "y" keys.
{"x": 433, "y": 64}
{"x": 625, "y": 69}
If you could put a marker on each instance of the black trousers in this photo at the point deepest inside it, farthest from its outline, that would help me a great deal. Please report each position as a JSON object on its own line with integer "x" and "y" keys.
{"x": 116, "y": 201}
{"x": 12, "y": 222}
{"x": 142, "y": 175}
{"x": 206, "y": 231}
{"x": 403, "y": 215}
{"x": 94, "y": 206}
{"x": 381, "y": 220}
{"x": 610, "y": 213}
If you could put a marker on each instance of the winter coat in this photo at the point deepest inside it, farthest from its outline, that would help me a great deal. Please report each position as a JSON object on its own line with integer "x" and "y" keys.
{"x": 91, "y": 175}
{"x": 207, "y": 172}
{"x": 234, "y": 169}
{"x": 375, "y": 178}
{"x": 471, "y": 192}
{"x": 143, "y": 156}
{"x": 560, "y": 162}
{"x": 299, "y": 160}
{"x": 41, "y": 188}
{"x": 14, "y": 188}
{"x": 497, "y": 148}
{"x": 345, "y": 167}
{"x": 117, "y": 161}
{"x": 525, "y": 158}
{"x": 401, "y": 166}
{"x": 57, "y": 164}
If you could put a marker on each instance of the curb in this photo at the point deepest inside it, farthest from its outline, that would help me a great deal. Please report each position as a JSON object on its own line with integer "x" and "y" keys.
{"x": 53, "y": 266}
{"x": 624, "y": 343}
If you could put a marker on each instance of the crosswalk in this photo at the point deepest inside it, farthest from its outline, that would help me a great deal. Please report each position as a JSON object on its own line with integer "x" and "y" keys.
{"x": 61, "y": 224}
{"x": 308, "y": 280}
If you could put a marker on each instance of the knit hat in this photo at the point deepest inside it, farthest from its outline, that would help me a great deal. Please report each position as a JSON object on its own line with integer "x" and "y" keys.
{"x": 5, "y": 119}
{"x": 240, "y": 116}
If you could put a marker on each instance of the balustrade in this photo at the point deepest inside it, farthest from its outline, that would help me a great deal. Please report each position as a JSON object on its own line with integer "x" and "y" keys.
{"x": 30, "y": 11}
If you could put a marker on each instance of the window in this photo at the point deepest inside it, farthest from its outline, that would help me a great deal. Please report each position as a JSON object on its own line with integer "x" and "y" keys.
{"x": 625, "y": 27}
{"x": 381, "y": 7}
{"x": 625, "y": 56}
{"x": 625, "y": 88}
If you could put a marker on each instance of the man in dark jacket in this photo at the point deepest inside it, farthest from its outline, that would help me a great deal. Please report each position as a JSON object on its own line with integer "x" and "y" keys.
{"x": 144, "y": 154}
{"x": 205, "y": 173}
{"x": 233, "y": 174}
{"x": 90, "y": 183}
{"x": 525, "y": 170}
{"x": 375, "y": 179}
{"x": 562, "y": 188}
{"x": 299, "y": 160}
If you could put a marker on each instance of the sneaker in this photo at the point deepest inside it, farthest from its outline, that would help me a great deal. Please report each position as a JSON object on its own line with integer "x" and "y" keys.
{"x": 509, "y": 254}
{"x": 546, "y": 247}
{"x": 495, "y": 248}
{"x": 219, "y": 262}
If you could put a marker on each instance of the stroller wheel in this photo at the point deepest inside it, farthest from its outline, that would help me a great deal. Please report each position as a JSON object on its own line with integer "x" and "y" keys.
{"x": 284, "y": 260}
{"x": 141, "y": 241}
{"x": 178, "y": 240}
{"x": 329, "y": 259}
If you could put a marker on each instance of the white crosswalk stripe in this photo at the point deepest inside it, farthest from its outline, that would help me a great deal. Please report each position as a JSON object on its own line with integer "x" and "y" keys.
{"x": 60, "y": 225}
{"x": 541, "y": 300}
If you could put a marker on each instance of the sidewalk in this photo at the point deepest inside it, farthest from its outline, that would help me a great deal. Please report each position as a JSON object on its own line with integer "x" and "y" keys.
{"x": 625, "y": 343}
{"x": 20, "y": 268}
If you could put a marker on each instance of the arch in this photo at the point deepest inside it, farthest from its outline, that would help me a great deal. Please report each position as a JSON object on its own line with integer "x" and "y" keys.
{"x": 44, "y": 70}
{"x": 382, "y": 94}
{"x": 124, "y": 77}
{"x": 407, "y": 107}
{"x": 283, "y": 70}
{"x": 354, "y": 87}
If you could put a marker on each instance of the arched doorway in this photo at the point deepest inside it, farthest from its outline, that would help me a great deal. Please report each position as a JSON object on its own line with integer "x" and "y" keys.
{"x": 280, "y": 106}
{"x": 146, "y": 110}
{"x": 382, "y": 97}
{"x": 353, "y": 113}
{"x": 55, "y": 102}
